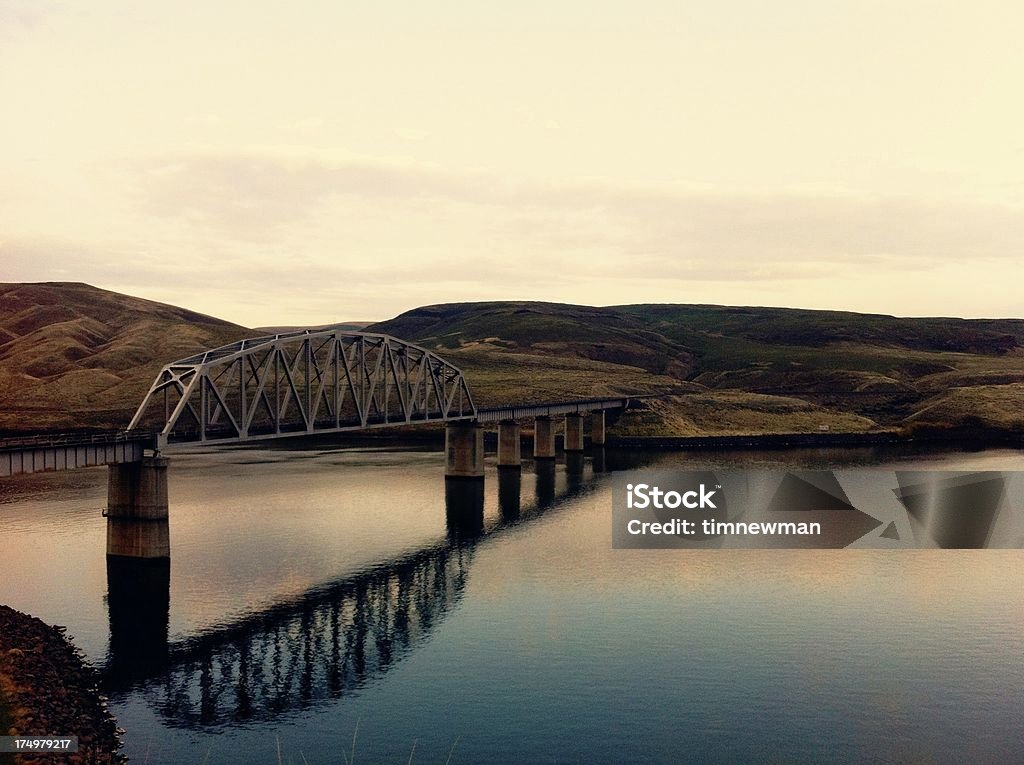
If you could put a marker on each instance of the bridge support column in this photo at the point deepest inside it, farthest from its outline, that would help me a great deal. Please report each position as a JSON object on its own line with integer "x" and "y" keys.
{"x": 464, "y": 445}
{"x": 574, "y": 432}
{"x": 543, "y": 439}
{"x": 137, "y": 510}
{"x": 508, "y": 445}
{"x": 597, "y": 437}
{"x": 138, "y": 489}
{"x": 141, "y": 540}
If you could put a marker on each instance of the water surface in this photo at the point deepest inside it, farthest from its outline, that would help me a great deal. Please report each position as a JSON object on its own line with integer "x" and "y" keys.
{"x": 317, "y": 594}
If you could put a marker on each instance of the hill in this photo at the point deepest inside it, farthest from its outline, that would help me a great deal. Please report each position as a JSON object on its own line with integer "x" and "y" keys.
{"x": 800, "y": 370}
{"x": 72, "y": 355}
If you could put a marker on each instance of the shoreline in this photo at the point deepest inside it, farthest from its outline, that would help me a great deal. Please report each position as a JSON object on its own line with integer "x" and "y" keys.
{"x": 953, "y": 438}
{"x": 759, "y": 441}
{"x": 430, "y": 435}
{"x": 959, "y": 438}
{"x": 62, "y": 699}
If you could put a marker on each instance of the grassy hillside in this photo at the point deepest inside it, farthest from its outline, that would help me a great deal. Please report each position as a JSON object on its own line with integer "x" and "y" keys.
{"x": 72, "y": 355}
{"x": 806, "y": 369}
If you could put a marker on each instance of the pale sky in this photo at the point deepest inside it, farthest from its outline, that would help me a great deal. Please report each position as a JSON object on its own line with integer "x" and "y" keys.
{"x": 308, "y": 162}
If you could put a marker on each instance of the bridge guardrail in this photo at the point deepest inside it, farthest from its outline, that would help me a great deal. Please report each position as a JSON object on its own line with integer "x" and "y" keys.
{"x": 77, "y": 438}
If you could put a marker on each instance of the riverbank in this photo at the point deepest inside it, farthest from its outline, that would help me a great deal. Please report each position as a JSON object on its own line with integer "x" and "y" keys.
{"x": 951, "y": 437}
{"x": 46, "y": 688}
{"x": 426, "y": 437}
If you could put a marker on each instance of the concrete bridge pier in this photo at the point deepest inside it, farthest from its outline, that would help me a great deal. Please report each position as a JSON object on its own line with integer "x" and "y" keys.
{"x": 508, "y": 445}
{"x": 543, "y": 439}
{"x": 574, "y": 432}
{"x": 137, "y": 510}
{"x": 464, "y": 446}
{"x": 597, "y": 428}
{"x": 138, "y": 489}
{"x": 464, "y": 479}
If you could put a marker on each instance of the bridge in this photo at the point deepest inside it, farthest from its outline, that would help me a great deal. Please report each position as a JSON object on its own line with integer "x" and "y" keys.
{"x": 310, "y": 382}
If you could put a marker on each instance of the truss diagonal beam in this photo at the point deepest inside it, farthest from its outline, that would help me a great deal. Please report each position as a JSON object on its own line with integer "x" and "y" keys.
{"x": 302, "y": 382}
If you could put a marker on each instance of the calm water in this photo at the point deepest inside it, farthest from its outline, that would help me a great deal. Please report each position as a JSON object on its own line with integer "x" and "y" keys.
{"x": 318, "y": 595}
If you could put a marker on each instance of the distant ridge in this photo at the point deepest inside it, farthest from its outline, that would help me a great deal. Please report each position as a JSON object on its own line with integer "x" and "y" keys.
{"x": 748, "y": 369}
{"x": 347, "y": 326}
{"x": 72, "y": 355}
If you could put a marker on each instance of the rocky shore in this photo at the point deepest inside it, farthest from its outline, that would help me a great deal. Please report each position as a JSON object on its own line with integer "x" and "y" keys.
{"x": 46, "y": 688}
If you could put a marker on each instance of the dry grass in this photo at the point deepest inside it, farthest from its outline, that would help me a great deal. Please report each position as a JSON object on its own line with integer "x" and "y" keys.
{"x": 503, "y": 377}
{"x": 73, "y": 355}
{"x": 991, "y": 406}
{"x": 722, "y": 413}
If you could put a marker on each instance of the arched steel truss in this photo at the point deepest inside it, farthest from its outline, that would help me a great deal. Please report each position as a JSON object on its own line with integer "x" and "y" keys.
{"x": 313, "y": 381}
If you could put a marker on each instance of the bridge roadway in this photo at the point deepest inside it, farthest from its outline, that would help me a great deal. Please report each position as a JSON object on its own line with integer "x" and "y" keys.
{"x": 71, "y": 450}
{"x": 78, "y": 449}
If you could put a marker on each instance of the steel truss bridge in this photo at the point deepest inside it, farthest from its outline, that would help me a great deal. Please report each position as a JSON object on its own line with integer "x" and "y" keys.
{"x": 324, "y": 381}
{"x": 303, "y": 382}
{"x": 291, "y": 384}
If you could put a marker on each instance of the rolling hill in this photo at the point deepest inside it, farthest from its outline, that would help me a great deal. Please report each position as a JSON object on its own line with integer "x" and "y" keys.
{"x": 742, "y": 370}
{"x": 72, "y": 355}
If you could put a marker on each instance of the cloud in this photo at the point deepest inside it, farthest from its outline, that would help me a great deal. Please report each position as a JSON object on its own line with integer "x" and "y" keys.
{"x": 18, "y": 16}
{"x": 314, "y": 238}
{"x": 240, "y": 283}
{"x": 696, "y": 233}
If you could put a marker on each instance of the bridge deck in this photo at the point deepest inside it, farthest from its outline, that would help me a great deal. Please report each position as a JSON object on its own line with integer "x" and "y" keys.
{"x": 67, "y": 451}
{"x": 549, "y": 410}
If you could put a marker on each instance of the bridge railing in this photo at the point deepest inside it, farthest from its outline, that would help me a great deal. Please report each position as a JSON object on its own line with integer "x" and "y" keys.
{"x": 552, "y": 408}
{"x": 77, "y": 438}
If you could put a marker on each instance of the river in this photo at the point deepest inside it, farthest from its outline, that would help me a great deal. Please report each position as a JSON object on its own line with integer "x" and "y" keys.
{"x": 323, "y": 601}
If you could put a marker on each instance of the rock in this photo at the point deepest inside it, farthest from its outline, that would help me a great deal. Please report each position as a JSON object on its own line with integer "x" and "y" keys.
{"x": 54, "y": 690}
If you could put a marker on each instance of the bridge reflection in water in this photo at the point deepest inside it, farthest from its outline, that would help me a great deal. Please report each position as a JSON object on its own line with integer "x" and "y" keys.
{"x": 329, "y": 642}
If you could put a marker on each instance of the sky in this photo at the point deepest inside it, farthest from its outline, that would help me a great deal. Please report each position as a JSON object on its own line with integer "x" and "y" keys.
{"x": 297, "y": 163}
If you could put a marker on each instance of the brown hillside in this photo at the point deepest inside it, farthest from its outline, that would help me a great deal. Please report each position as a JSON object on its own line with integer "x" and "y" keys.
{"x": 733, "y": 369}
{"x": 72, "y": 355}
